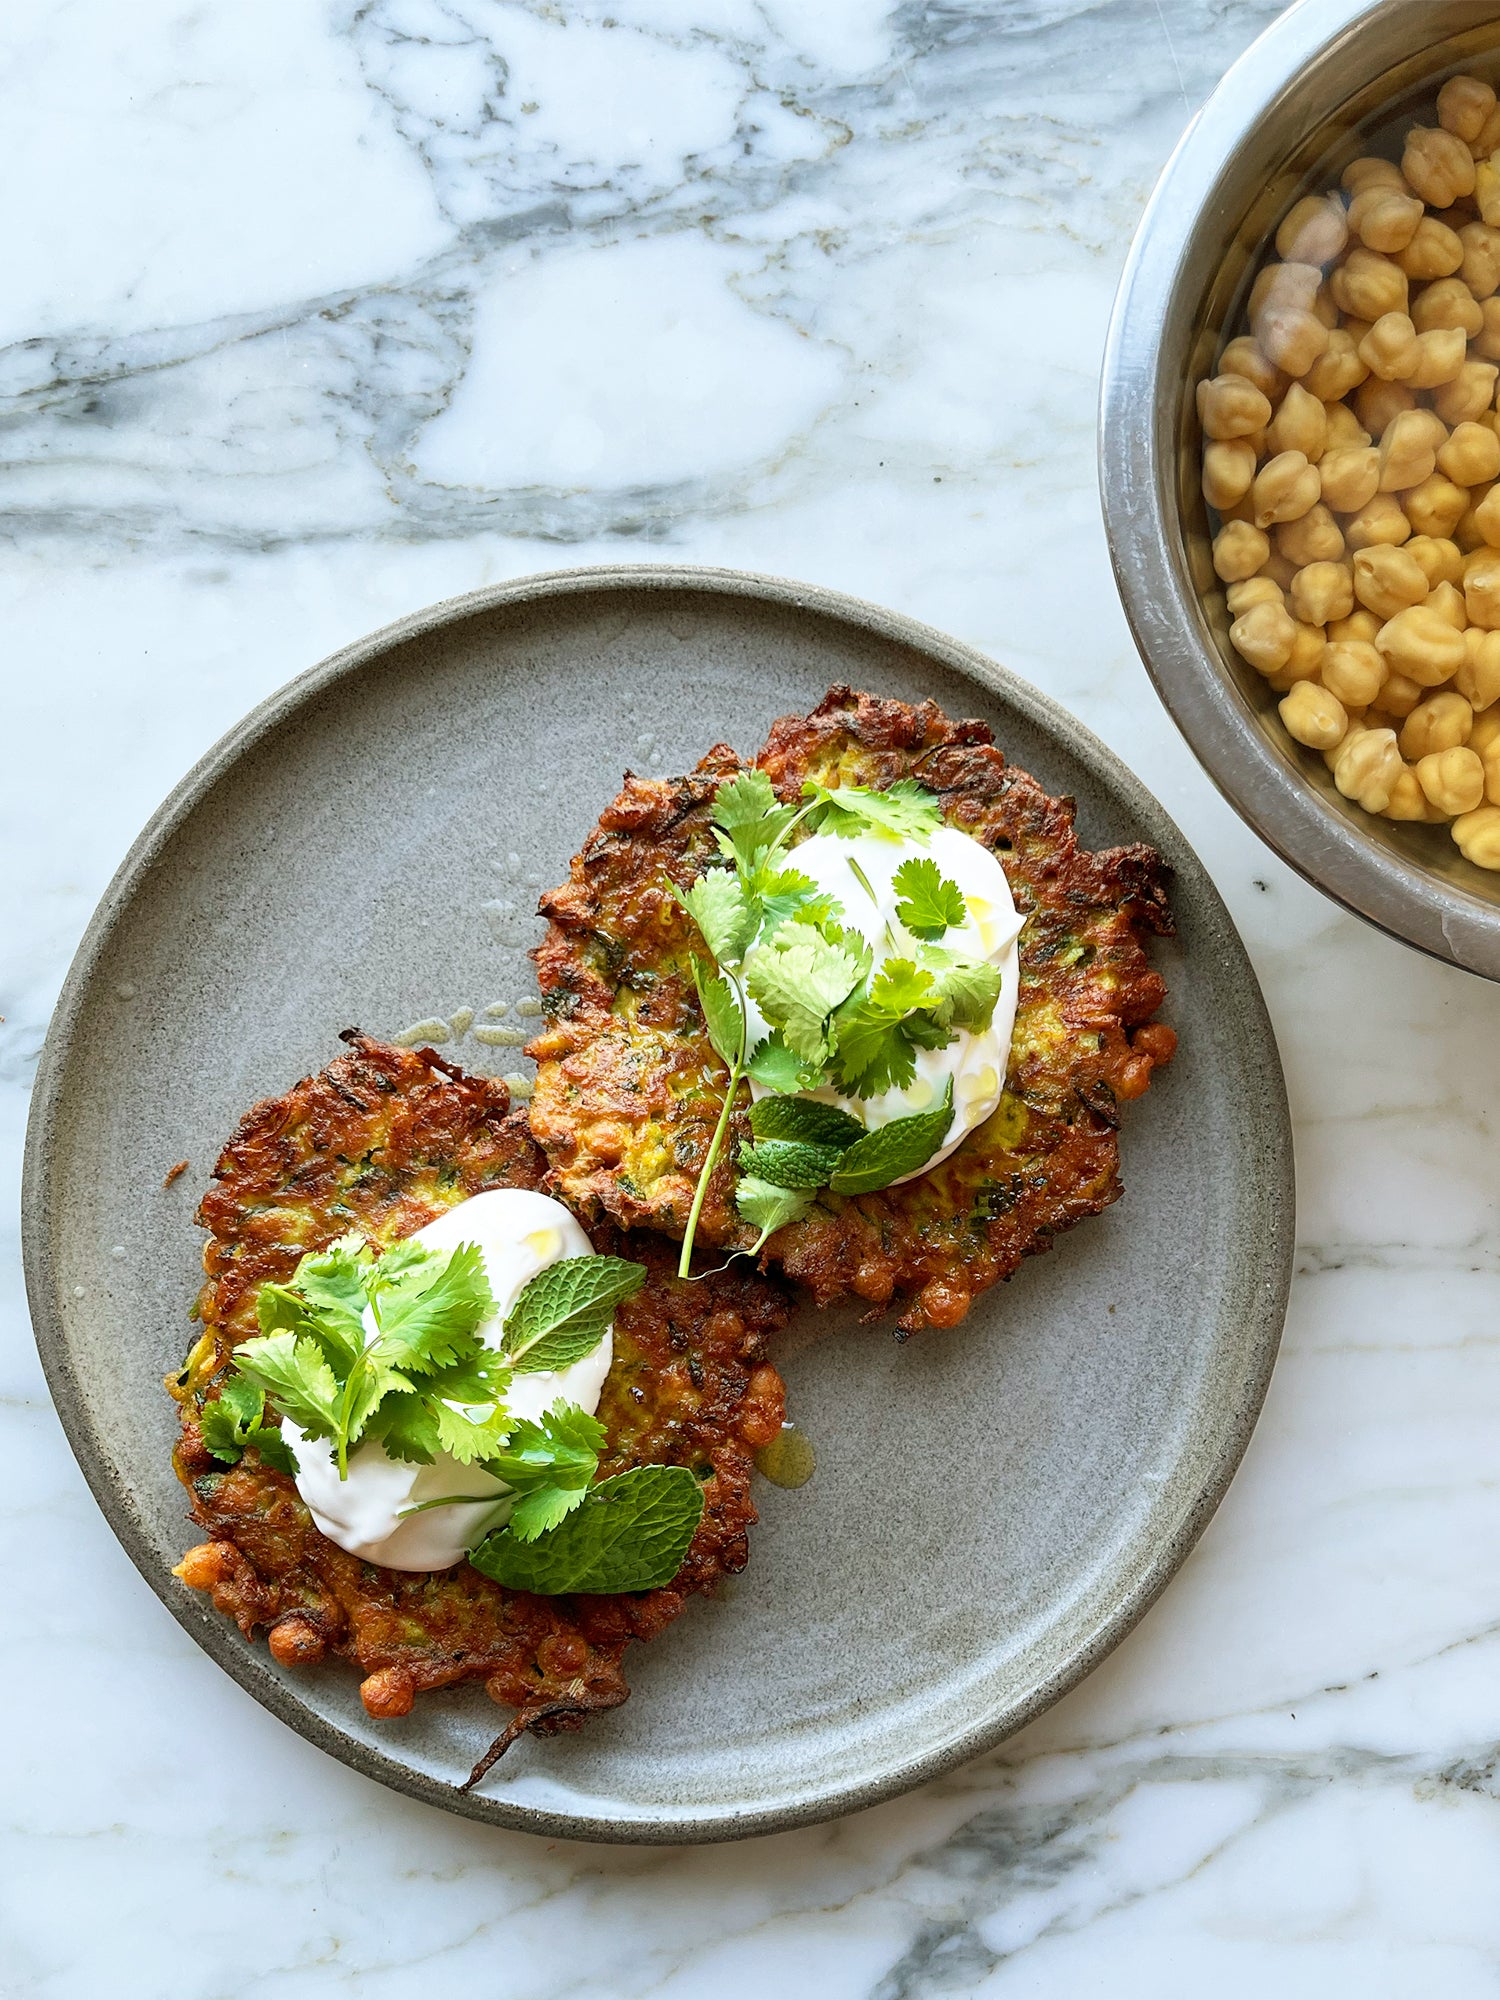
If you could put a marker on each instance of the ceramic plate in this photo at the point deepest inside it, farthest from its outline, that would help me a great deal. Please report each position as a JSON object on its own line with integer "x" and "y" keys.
{"x": 992, "y": 1509}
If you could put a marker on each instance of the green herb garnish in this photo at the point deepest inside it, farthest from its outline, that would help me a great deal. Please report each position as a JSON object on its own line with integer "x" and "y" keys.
{"x": 236, "y": 1420}
{"x": 630, "y": 1532}
{"x": 834, "y": 1020}
{"x": 564, "y": 1311}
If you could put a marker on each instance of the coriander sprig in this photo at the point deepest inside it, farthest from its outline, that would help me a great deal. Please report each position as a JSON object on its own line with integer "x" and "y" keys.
{"x": 834, "y": 1020}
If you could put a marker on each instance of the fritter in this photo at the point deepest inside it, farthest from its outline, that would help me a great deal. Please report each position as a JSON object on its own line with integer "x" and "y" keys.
{"x": 383, "y": 1140}
{"x": 628, "y": 1088}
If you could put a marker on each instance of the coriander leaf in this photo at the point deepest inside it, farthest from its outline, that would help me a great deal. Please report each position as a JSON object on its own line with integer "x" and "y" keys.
{"x": 562, "y": 1314}
{"x": 798, "y": 980}
{"x": 483, "y": 1377}
{"x": 631, "y": 1532}
{"x": 274, "y": 1450}
{"x": 930, "y": 904}
{"x": 905, "y": 811}
{"x": 900, "y": 988}
{"x": 783, "y": 893}
{"x": 240, "y": 1399}
{"x": 223, "y": 1433}
{"x": 719, "y": 906}
{"x": 333, "y": 1283}
{"x": 892, "y": 1151}
{"x": 278, "y": 1309}
{"x": 804, "y": 1118}
{"x": 294, "y": 1370}
{"x": 871, "y": 1054}
{"x": 427, "y": 1310}
{"x": 534, "y": 1513}
{"x": 775, "y": 1067}
{"x": 788, "y": 1163}
{"x": 769, "y": 1208}
{"x": 968, "y": 989}
{"x": 722, "y": 1014}
{"x": 747, "y": 799}
{"x": 406, "y": 1424}
{"x": 469, "y": 1439}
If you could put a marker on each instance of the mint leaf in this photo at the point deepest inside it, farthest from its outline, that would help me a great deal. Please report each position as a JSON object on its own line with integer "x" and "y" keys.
{"x": 719, "y": 906}
{"x": 893, "y": 1151}
{"x": 788, "y": 1163}
{"x": 775, "y": 1067}
{"x": 631, "y": 1532}
{"x": 797, "y": 980}
{"x": 722, "y": 1014}
{"x": 804, "y": 1118}
{"x": 905, "y": 811}
{"x": 563, "y": 1312}
{"x": 428, "y": 1307}
{"x": 930, "y": 904}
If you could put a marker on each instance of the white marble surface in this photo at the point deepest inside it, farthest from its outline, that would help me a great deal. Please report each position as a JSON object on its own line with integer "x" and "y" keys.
{"x": 319, "y": 311}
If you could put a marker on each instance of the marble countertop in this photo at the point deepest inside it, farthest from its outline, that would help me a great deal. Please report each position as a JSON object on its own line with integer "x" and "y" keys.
{"x": 315, "y": 312}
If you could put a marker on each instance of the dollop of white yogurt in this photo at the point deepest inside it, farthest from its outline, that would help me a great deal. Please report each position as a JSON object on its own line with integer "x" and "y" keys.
{"x": 975, "y": 1062}
{"x": 519, "y": 1234}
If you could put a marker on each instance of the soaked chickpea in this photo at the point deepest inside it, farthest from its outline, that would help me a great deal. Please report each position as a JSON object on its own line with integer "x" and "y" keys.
{"x": 1351, "y": 457}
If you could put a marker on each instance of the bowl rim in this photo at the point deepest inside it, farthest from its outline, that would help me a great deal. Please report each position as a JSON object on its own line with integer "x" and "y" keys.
{"x": 1200, "y": 1496}
{"x": 1163, "y": 607}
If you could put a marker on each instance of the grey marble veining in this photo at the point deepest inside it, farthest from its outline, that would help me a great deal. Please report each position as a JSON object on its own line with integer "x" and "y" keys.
{"x": 314, "y": 314}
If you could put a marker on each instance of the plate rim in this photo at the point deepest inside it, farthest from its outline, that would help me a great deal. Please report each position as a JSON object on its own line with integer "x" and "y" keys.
{"x": 219, "y": 1637}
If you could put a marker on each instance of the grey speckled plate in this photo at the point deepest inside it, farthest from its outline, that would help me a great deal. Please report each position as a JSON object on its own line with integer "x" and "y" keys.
{"x": 992, "y": 1510}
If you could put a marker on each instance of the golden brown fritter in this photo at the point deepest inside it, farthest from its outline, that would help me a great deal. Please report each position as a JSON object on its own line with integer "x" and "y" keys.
{"x": 383, "y": 1140}
{"x": 628, "y": 1088}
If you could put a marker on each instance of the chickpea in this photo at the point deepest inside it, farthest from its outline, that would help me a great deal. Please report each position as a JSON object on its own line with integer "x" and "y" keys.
{"x": 1264, "y": 636}
{"x": 1377, "y": 404}
{"x": 1285, "y": 487}
{"x": 1371, "y": 171}
{"x": 1477, "y": 834}
{"x": 1366, "y": 284}
{"x": 1486, "y": 337}
{"x": 1390, "y": 349}
{"x": 1452, "y": 779}
{"x": 1293, "y": 339}
{"x": 1321, "y": 591}
{"x": 1447, "y": 302}
{"x": 1239, "y": 551}
{"x": 1381, "y": 218}
{"x": 1313, "y": 537}
{"x": 1466, "y": 531}
{"x": 1486, "y": 514}
{"x": 1468, "y": 395}
{"x": 1280, "y": 569}
{"x": 1387, "y": 580}
{"x": 1447, "y": 600}
{"x": 1441, "y": 355}
{"x": 1407, "y": 799}
{"x": 1486, "y": 731}
{"x": 1399, "y": 695}
{"x": 1441, "y": 559}
{"x": 1313, "y": 230}
{"x": 1351, "y": 477}
{"x": 1407, "y": 454}
{"x": 1366, "y": 766}
{"x": 1314, "y": 716}
{"x": 1338, "y": 369}
{"x": 1379, "y": 520}
{"x": 1480, "y": 269}
{"x": 1360, "y": 626}
{"x": 1487, "y": 190}
{"x": 1435, "y": 506}
{"x": 1441, "y": 722}
{"x": 1421, "y": 645}
{"x": 1280, "y": 287}
{"x": 1252, "y": 590}
{"x": 1482, "y": 589}
{"x": 1345, "y": 432}
{"x": 1471, "y": 456}
{"x": 1489, "y": 137}
{"x": 1231, "y": 407}
{"x": 1463, "y": 104}
{"x": 1478, "y": 679}
{"x": 1301, "y": 424}
{"x": 1244, "y": 357}
{"x": 1437, "y": 166}
{"x": 1305, "y": 660}
{"x": 1353, "y": 671}
{"x": 1489, "y": 757}
{"x": 1228, "y": 468}
{"x": 1433, "y": 252}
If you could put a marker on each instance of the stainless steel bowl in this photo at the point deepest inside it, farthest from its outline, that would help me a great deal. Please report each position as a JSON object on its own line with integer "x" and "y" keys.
{"x": 1316, "y": 89}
